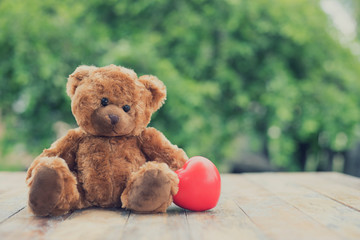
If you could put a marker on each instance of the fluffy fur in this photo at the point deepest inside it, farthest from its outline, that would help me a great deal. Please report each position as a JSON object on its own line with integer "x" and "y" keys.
{"x": 112, "y": 159}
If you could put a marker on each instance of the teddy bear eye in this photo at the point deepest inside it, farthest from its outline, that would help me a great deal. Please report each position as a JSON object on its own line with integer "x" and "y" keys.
{"x": 126, "y": 108}
{"x": 104, "y": 102}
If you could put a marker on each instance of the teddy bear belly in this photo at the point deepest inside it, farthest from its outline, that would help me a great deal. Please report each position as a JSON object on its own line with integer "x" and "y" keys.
{"x": 103, "y": 172}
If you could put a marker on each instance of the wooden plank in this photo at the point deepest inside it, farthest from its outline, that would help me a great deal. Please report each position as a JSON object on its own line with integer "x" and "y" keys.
{"x": 170, "y": 225}
{"x": 252, "y": 206}
{"x": 11, "y": 203}
{"x": 225, "y": 221}
{"x": 276, "y": 218}
{"x": 11, "y": 181}
{"x": 336, "y": 190}
{"x": 25, "y": 225}
{"x": 340, "y": 178}
{"x": 342, "y": 220}
{"x": 13, "y": 194}
{"x": 93, "y": 223}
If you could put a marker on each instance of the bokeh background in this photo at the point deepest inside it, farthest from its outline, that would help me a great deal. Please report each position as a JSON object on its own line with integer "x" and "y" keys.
{"x": 254, "y": 85}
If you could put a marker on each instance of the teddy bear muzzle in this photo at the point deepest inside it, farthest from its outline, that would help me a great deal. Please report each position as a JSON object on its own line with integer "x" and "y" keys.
{"x": 112, "y": 121}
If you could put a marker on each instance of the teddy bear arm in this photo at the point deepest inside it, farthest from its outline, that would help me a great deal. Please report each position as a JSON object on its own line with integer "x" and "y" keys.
{"x": 158, "y": 148}
{"x": 64, "y": 147}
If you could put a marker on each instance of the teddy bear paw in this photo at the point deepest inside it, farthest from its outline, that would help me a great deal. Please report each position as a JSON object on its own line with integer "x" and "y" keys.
{"x": 45, "y": 191}
{"x": 149, "y": 193}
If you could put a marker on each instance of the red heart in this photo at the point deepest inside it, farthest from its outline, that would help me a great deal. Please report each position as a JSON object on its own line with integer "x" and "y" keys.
{"x": 199, "y": 186}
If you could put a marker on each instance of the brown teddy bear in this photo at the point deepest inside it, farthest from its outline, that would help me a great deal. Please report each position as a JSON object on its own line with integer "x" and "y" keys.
{"x": 112, "y": 159}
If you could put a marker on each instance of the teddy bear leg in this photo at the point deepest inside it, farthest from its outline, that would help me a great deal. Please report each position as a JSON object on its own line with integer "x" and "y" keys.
{"x": 151, "y": 189}
{"x": 53, "y": 188}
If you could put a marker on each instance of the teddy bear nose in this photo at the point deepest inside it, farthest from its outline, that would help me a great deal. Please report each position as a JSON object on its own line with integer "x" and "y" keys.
{"x": 114, "y": 119}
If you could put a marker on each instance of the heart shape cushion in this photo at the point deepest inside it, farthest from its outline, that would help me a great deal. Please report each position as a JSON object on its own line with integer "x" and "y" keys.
{"x": 199, "y": 186}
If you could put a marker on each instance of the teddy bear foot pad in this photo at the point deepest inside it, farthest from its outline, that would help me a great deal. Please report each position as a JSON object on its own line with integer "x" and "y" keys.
{"x": 45, "y": 191}
{"x": 150, "y": 192}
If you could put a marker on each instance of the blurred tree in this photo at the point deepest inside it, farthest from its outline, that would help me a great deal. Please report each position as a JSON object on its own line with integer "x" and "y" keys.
{"x": 40, "y": 45}
{"x": 273, "y": 71}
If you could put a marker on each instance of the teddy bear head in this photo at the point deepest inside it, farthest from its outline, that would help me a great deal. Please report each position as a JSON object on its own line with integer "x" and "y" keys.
{"x": 112, "y": 100}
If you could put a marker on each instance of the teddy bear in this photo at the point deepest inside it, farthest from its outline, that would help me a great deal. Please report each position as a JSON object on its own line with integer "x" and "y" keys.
{"x": 112, "y": 159}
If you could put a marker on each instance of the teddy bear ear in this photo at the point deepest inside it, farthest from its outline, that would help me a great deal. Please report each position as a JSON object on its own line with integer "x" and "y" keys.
{"x": 76, "y": 77}
{"x": 157, "y": 90}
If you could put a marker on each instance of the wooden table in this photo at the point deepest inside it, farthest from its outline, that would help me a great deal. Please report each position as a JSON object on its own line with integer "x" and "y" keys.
{"x": 252, "y": 206}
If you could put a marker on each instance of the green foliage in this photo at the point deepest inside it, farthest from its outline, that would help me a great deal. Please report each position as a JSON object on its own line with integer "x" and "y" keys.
{"x": 269, "y": 70}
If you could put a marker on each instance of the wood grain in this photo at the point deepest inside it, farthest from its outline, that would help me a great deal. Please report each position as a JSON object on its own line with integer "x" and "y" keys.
{"x": 275, "y": 217}
{"x": 340, "y": 178}
{"x": 11, "y": 180}
{"x": 24, "y": 225}
{"x": 327, "y": 185}
{"x": 226, "y": 221}
{"x": 251, "y": 206}
{"x": 93, "y": 223}
{"x": 338, "y": 218}
{"x": 13, "y": 194}
{"x": 170, "y": 225}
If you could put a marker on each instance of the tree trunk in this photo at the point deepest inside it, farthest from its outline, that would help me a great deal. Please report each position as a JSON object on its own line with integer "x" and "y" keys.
{"x": 302, "y": 151}
{"x": 330, "y": 160}
{"x": 352, "y": 161}
{"x": 265, "y": 148}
